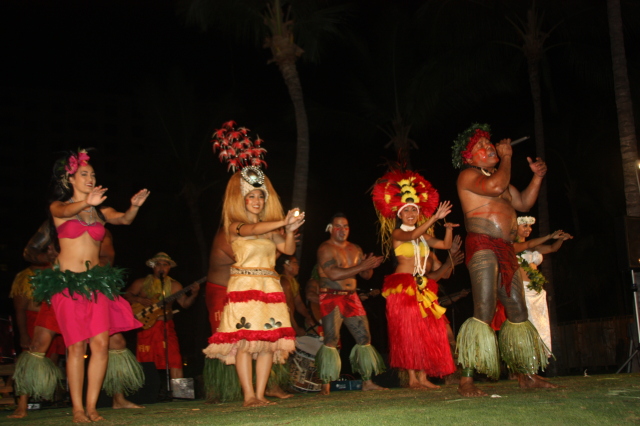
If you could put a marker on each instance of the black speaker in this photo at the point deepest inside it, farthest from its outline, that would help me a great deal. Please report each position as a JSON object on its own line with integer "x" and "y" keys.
{"x": 148, "y": 394}
{"x": 628, "y": 238}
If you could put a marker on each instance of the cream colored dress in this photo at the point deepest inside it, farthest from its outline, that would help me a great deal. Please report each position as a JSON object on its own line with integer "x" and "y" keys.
{"x": 537, "y": 302}
{"x": 255, "y": 318}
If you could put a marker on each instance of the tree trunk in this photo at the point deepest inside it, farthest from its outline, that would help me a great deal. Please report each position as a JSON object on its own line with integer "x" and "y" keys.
{"x": 533, "y": 52}
{"x": 292, "y": 80}
{"x": 626, "y": 125}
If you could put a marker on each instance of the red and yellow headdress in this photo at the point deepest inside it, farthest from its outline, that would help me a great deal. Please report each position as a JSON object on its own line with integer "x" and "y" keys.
{"x": 396, "y": 190}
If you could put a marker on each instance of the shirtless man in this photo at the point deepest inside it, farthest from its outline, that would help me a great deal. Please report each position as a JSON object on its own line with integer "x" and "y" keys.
{"x": 220, "y": 385}
{"x": 339, "y": 262}
{"x": 489, "y": 203}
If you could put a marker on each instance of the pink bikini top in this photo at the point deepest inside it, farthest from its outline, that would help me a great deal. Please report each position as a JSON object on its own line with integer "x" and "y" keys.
{"x": 73, "y": 228}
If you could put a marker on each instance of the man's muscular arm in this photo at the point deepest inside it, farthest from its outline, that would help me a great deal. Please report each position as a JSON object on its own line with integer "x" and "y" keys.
{"x": 20, "y": 304}
{"x": 329, "y": 264}
{"x": 523, "y": 201}
{"x": 132, "y": 295}
{"x": 498, "y": 182}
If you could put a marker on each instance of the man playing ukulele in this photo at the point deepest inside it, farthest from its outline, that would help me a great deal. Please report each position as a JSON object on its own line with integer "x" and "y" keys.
{"x": 145, "y": 292}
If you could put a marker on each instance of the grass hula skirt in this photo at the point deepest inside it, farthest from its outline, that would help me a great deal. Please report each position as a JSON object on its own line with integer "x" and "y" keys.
{"x": 522, "y": 348}
{"x": 124, "y": 373}
{"x": 279, "y": 376}
{"x": 104, "y": 279}
{"x": 36, "y": 375}
{"x": 328, "y": 364}
{"x": 366, "y": 361}
{"x": 478, "y": 348}
{"x": 221, "y": 381}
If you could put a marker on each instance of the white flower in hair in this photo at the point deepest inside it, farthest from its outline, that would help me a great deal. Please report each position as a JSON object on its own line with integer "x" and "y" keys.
{"x": 526, "y": 220}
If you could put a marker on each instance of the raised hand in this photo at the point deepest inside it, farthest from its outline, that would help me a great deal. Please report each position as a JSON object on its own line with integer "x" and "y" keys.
{"x": 370, "y": 261}
{"x": 457, "y": 257}
{"x": 444, "y": 208}
{"x": 294, "y": 220}
{"x": 539, "y": 167}
{"x": 503, "y": 148}
{"x": 138, "y": 199}
{"x": 96, "y": 196}
{"x": 456, "y": 244}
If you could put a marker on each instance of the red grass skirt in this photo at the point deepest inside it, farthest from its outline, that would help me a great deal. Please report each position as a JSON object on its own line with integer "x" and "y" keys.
{"x": 415, "y": 343}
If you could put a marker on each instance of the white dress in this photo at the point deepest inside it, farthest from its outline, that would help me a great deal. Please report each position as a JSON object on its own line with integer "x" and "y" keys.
{"x": 537, "y": 302}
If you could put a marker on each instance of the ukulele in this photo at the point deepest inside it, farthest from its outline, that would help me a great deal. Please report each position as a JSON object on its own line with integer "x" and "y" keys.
{"x": 148, "y": 315}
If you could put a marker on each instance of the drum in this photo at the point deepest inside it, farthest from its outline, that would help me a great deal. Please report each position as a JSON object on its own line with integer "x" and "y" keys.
{"x": 302, "y": 365}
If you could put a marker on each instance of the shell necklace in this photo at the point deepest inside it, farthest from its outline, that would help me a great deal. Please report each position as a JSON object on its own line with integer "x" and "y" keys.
{"x": 419, "y": 268}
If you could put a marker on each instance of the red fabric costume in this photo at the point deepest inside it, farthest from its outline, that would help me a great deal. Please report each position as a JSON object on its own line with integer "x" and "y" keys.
{"x": 416, "y": 342}
{"x": 348, "y": 303}
{"x": 47, "y": 318}
{"x": 151, "y": 345}
{"x": 57, "y": 344}
{"x": 215, "y": 297}
{"x": 507, "y": 265}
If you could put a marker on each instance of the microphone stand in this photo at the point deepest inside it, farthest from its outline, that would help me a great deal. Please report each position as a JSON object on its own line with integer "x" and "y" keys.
{"x": 166, "y": 339}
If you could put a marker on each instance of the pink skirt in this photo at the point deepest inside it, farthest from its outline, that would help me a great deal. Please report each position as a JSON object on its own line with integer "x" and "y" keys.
{"x": 80, "y": 319}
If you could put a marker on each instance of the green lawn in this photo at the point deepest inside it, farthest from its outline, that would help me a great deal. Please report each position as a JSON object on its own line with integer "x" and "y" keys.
{"x": 594, "y": 400}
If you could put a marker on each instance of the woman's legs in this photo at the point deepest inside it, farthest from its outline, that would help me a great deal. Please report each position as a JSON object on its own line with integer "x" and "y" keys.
{"x": 95, "y": 373}
{"x": 263, "y": 370}
{"x": 245, "y": 375}
{"x": 75, "y": 377}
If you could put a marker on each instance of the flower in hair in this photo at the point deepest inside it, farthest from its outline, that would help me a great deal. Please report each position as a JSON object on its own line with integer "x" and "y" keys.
{"x": 526, "y": 220}
{"x": 75, "y": 161}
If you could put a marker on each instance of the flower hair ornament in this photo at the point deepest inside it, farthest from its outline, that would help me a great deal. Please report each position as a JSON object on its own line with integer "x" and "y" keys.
{"x": 69, "y": 166}
{"x": 236, "y": 148}
{"x": 397, "y": 190}
{"x": 465, "y": 142}
{"x": 526, "y": 220}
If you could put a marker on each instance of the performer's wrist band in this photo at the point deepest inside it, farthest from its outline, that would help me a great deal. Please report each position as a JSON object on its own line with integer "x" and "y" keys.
{"x": 240, "y": 225}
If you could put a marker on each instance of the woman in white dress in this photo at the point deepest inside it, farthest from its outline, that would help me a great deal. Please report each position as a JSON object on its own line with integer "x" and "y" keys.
{"x": 530, "y": 256}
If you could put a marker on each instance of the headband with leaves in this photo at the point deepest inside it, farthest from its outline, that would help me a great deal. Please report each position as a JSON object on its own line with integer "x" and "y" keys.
{"x": 465, "y": 142}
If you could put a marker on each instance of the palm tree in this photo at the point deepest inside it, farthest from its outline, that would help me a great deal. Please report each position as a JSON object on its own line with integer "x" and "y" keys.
{"x": 282, "y": 26}
{"x": 626, "y": 124}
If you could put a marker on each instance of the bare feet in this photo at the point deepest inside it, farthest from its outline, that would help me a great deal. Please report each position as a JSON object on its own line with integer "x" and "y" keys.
{"x": 368, "y": 385}
{"x": 94, "y": 416}
{"x": 468, "y": 389}
{"x": 422, "y": 378}
{"x": 267, "y": 402}
{"x": 80, "y": 417}
{"x": 534, "y": 381}
{"x": 277, "y": 392}
{"x": 254, "y": 402}
{"x": 21, "y": 410}
{"x": 325, "y": 389}
{"x": 418, "y": 385}
{"x": 415, "y": 385}
{"x": 18, "y": 414}
{"x": 125, "y": 404}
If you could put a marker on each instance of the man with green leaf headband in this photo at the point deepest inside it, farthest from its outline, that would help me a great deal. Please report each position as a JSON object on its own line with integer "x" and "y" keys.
{"x": 489, "y": 203}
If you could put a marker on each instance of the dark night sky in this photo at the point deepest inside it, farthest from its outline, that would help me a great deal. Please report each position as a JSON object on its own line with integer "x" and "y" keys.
{"x": 163, "y": 79}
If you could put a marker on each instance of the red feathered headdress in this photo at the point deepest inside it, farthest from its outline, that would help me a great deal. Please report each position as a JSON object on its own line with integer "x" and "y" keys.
{"x": 397, "y": 189}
